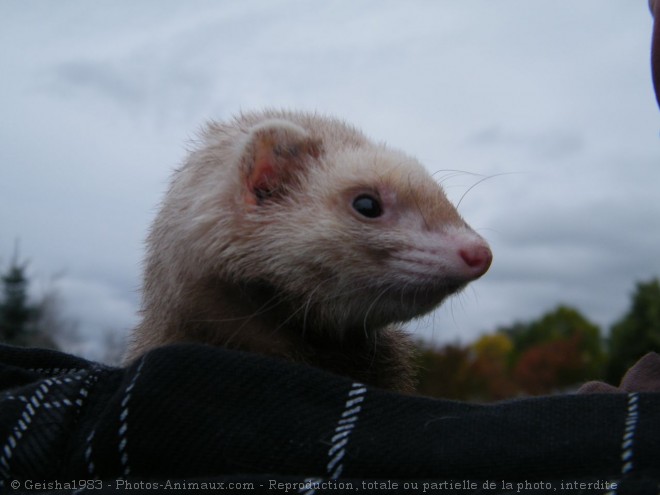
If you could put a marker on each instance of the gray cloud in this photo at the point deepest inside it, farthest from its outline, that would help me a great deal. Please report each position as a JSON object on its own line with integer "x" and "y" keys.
{"x": 100, "y": 78}
{"x": 552, "y": 144}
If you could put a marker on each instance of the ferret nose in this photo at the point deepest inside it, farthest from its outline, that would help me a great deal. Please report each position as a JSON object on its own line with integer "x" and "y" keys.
{"x": 477, "y": 257}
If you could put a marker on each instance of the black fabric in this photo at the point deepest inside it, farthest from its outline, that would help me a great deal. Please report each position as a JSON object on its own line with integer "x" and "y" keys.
{"x": 193, "y": 414}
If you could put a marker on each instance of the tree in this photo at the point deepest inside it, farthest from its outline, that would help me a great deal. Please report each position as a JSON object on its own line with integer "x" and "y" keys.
{"x": 19, "y": 319}
{"x": 490, "y": 366}
{"x": 445, "y": 372}
{"x": 562, "y": 324}
{"x": 477, "y": 372}
{"x": 550, "y": 366}
{"x": 15, "y": 314}
{"x": 637, "y": 332}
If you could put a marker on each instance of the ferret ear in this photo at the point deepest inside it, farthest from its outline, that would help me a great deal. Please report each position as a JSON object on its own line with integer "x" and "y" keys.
{"x": 276, "y": 155}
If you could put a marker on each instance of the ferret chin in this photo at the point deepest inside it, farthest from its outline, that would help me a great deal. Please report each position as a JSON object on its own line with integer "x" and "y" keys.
{"x": 293, "y": 235}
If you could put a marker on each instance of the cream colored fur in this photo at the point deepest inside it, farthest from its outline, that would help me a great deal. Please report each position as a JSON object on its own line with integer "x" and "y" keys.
{"x": 257, "y": 247}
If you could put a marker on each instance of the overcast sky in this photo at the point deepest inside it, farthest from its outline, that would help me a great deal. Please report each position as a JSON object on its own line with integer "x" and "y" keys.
{"x": 552, "y": 99}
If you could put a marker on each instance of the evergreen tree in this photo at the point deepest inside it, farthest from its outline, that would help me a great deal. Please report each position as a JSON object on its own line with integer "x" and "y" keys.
{"x": 637, "y": 332}
{"x": 15, "y": 313}
{"x": 19, "y": 318}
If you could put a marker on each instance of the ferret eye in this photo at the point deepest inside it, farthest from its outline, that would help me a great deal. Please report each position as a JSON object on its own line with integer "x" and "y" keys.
{"x": 367, "y": 206}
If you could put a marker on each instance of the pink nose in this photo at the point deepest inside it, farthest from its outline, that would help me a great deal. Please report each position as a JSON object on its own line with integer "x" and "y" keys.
{"x": 478, "y": 257}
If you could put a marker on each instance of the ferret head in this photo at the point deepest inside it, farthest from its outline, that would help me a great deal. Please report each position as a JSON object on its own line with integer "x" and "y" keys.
{"x": 344, "y": 232}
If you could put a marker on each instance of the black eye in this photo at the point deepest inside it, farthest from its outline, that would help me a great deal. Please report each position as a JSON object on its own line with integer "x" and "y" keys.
{"x": 367, "y": 206}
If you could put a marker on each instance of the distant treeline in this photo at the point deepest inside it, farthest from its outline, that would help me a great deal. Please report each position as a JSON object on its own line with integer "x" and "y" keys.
{"x": 23, "y": 322}
{"x": 553, "y": 353}
{"x": 40, "y": 322}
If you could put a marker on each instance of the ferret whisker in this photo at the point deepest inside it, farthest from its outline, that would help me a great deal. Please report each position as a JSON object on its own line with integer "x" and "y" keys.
{"x": 264, "y": 308}
{"x": 451, "y": 173}
{"x": 283, "y": 323}
{"x": 451, "y": 310}
{"x": 308, "y": 304}
{"x": 472, "y": 187}
{"x": 371, "y": 307}
{"x": 271, "y": 303}
{"x": 447, "y": 177}
{"x": 419, "y": 209}
{"x": 374, "y": 335}
{"x": 278, "y": 299}
{"x": 302, "y": 307}
{"x": 456, "y": 171}
{"x": 355, "y": 289}
{"x": 459, "y": 300}
{"x": 484, "y": 179}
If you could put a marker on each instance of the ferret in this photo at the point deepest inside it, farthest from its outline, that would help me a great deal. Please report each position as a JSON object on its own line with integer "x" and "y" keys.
{"x": 294, "y": 235}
